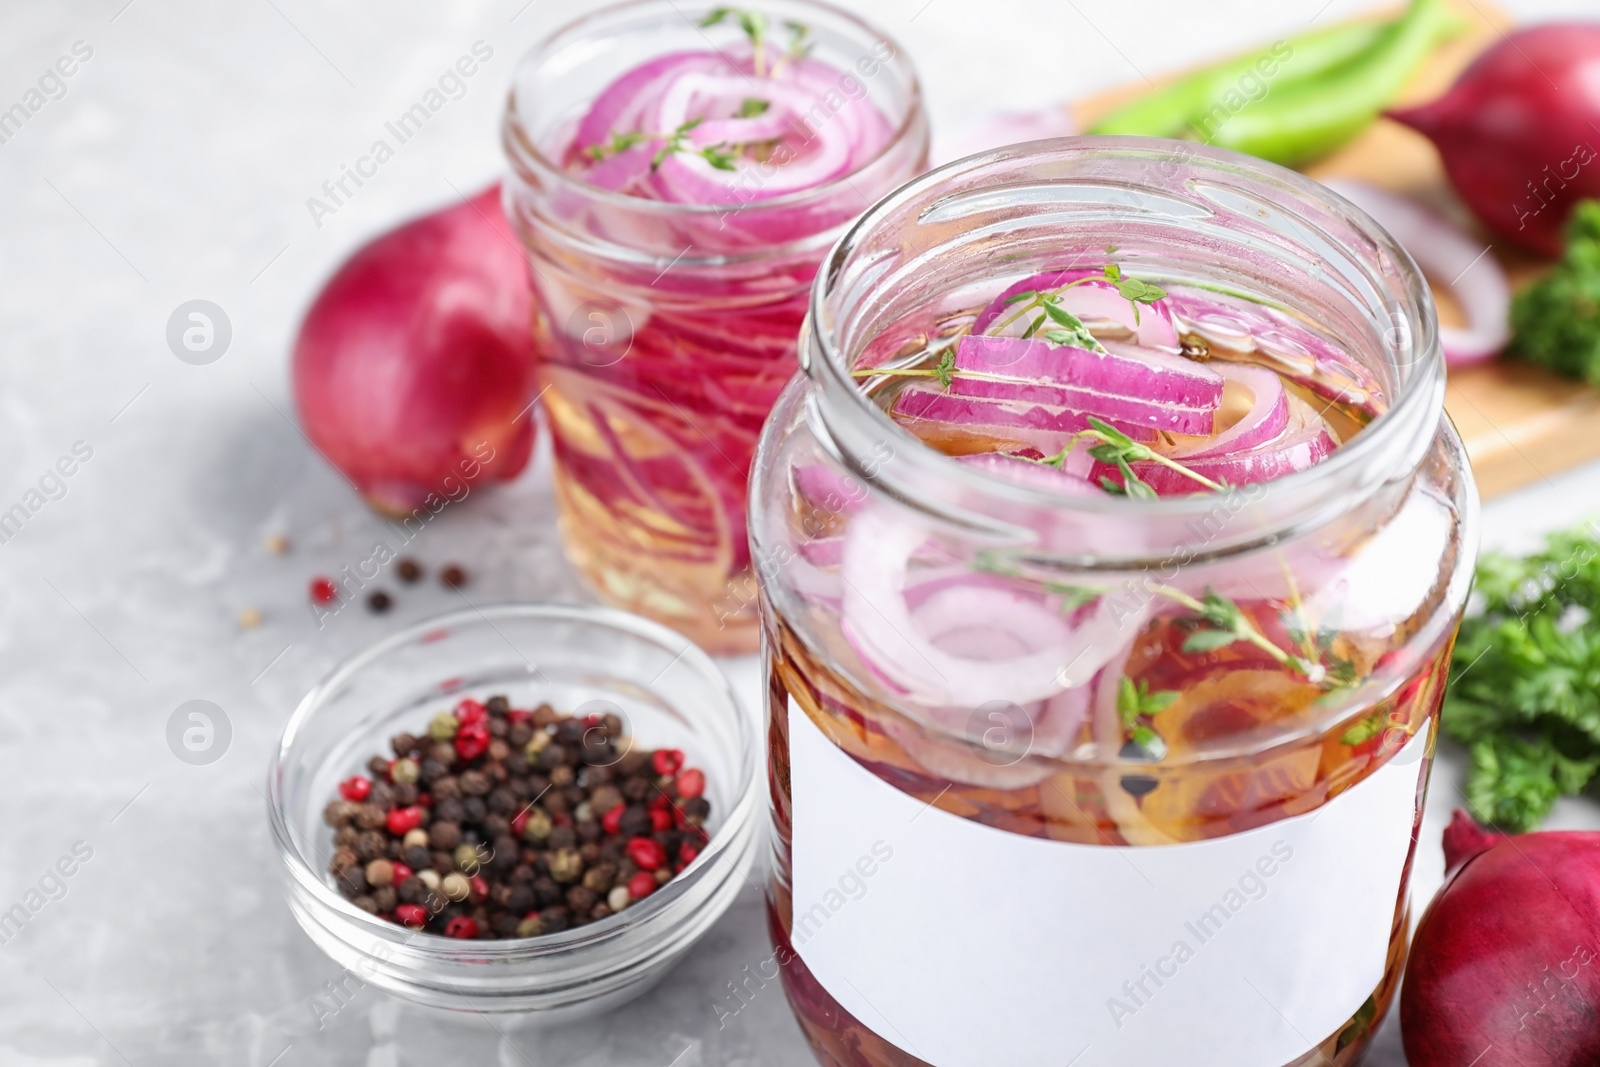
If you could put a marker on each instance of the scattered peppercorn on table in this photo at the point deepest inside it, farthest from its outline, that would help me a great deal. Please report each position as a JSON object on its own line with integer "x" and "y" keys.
{"x": 142, "y": 919}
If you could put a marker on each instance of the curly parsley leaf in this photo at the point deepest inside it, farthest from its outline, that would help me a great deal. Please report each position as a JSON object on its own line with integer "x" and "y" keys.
{"x": 1524, "y": 692}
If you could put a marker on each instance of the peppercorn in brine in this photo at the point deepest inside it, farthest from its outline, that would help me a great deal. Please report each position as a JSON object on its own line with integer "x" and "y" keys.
{"x": 496, "y": 822}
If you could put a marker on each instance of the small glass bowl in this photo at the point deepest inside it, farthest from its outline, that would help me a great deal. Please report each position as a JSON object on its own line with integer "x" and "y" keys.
{"x": 577, "y": 659}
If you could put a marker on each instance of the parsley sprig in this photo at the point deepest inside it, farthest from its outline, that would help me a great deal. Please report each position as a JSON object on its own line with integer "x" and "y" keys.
{"x": 1524, "y": 694}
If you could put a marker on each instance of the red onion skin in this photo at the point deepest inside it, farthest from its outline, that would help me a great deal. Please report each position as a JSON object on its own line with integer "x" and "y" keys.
{"x": 1508, "y": 957}
{"x": 415, "y": 366}
{"x": 1464, "y": 839}
{"x": 1519, "y": 132}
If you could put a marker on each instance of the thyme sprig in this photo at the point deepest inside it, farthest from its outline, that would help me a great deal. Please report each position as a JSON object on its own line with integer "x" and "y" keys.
{"x": 1117, "y": 449}
{"x": 1221, "y": 623}
{"x": 1134, "y": 290}
{"x": 754, "y": 25}
{"x": 722, "y": 155}
{"x": 1136, "y": 706}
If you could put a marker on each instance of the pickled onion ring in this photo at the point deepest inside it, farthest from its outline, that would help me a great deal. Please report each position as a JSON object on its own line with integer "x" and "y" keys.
{"x": 1303, "y": 442}
{"x": 1267, "y": 418}
{"x": 805, "y": 140}
{"x": 1122, "y": 384}
{"x": 981, "y": 414}
{"x": 909, "y": 647}
{"x": 1477, "y": 281}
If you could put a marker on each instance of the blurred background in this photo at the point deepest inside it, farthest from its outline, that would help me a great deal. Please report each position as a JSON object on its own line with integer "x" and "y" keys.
{"x": 175, "y": 164}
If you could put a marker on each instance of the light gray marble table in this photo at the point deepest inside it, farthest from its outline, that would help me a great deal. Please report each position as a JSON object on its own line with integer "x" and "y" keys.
{"x": 175, "y": 163}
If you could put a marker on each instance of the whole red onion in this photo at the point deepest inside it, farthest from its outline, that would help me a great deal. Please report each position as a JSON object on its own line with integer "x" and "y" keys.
{"x": 1519, "y": 132}
{"x": 414, "y": 368}
{"x": 1507, "y": 957}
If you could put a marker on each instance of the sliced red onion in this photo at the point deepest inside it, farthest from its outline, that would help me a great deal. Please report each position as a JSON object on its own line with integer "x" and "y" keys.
{"x": 621, "y": 107}
{"x": 1265, "y": 421}
{"x": 1275, "y": 334}
{"x": 1452, "y": 258}
{"x": 828, "y": 489}
{"x": 1095, "y": 301}
{"x": 1304, "y": 441}
{"x": 1123, "y": 370}
{"x": 982, "y": 415}
{"x": 1034, "y": 475}
{"x": 971, "y": 642}
{"x": 813, "y": 141}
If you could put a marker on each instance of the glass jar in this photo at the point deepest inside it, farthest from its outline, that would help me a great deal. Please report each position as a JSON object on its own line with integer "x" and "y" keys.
{"x": 578, "y": 659}
{"x": 976, "y": 863}
{"x": 666, "y": 330}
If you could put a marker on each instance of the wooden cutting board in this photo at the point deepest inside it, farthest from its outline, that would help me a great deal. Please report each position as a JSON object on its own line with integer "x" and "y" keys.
{"x": 1521, "y": 423}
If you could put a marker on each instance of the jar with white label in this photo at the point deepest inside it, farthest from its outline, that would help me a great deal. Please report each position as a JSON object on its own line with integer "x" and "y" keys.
{"x": 1096, "y": 774}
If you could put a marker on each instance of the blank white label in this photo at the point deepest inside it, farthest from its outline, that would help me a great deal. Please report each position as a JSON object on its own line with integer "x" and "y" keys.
{"x": 965, "y": 945}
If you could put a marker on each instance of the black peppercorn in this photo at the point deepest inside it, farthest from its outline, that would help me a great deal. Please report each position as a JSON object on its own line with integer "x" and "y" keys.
{"x": 412, "y": 890}
{"x": 552, "y": 757}
{"x": 408, "y": 569}
{"x": 545, "y": 891}
{"x": 416, "y": 857}
{"x": 352, "y": 880}
{"x": 447, "y": 788}
{"x": 451, "y": 810}
{"x": 502, "y": 802}
{"x": 519, "y": 899}
{"x": 378, "y": 767}
{"x": 635, "y": 821}
{"x": 519, "y": 734}
{"x": 474, "y": 783}
{"x": 582, "y": 900}
{"x": 405, "y": 795}
{"x": 474, "y": 808}
{"x": 453, "y": 576}
{"x": 444, "y": 834}
{"x": 563, "y": 837}
{"x": 637, "y": 788}
{"x": 495, "y": 825}
{"x": 555, "y": 918}
{"x": 504, "y": 925}
{"x": 590, "y": 832}
{"x": 696, "y": 807}
{"x": 432, "y": 771}
{"x": 370, "y": 845}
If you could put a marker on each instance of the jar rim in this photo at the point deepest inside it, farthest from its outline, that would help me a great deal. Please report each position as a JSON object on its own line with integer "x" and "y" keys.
{"x": 523, "y": 150}
{"x": 1415, "y": 410}
{"x": 643, "y": 933}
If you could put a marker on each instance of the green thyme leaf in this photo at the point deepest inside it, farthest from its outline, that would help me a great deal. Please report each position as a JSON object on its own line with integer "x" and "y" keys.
{"x": 946, "y": 368}
{"x": 714, "y": 155}
{"x": 751, "y": 107}
{"x": 1017, "y": 298}
{"x": 1208, "y": 640}
{"x": 1363, "y": 731}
